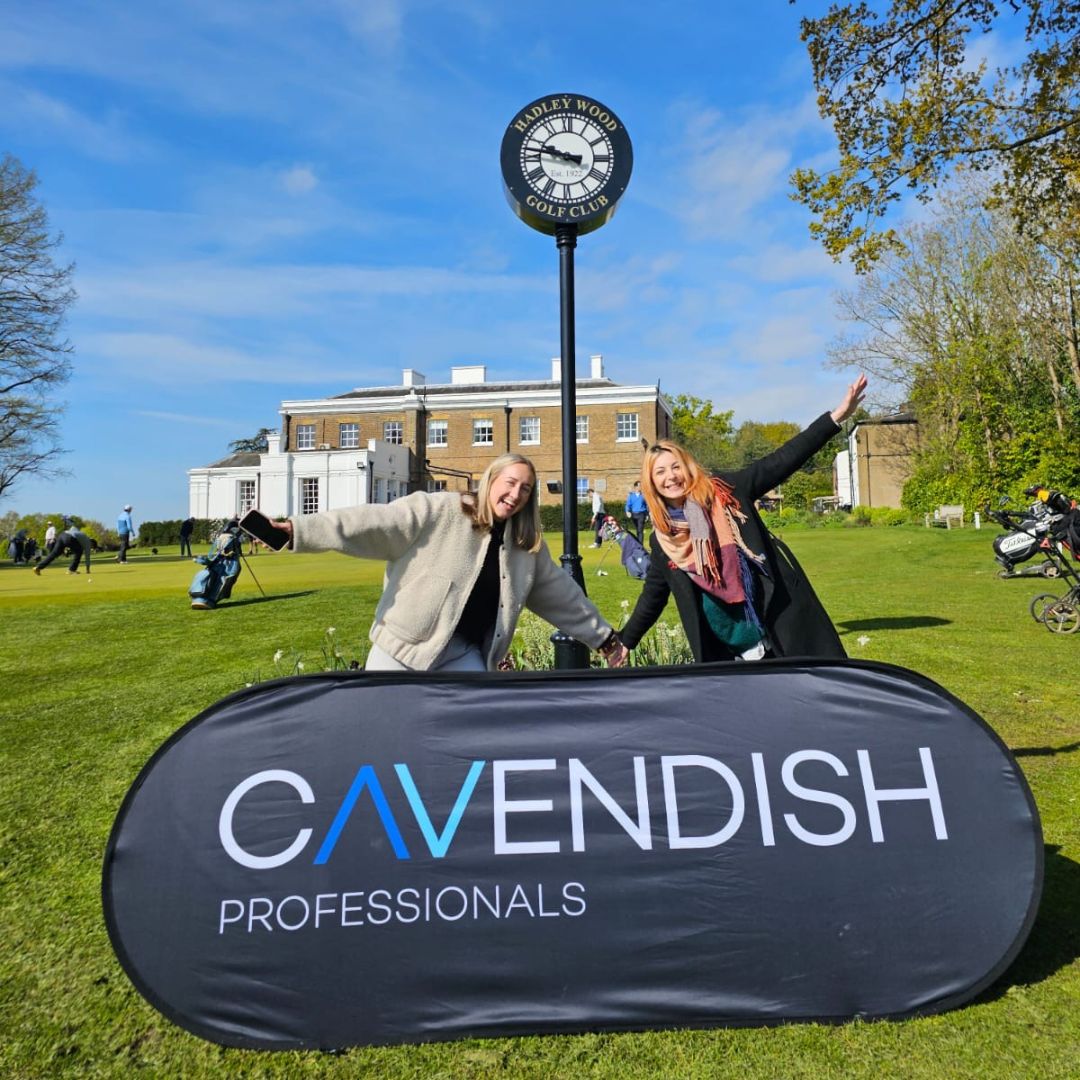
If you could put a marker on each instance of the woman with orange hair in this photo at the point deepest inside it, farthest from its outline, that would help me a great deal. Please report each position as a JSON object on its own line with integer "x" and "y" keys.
{"x": 739, "y": 591}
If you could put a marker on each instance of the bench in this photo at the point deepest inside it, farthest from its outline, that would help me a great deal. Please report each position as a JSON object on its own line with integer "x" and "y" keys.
{"x": 946, "y": 517}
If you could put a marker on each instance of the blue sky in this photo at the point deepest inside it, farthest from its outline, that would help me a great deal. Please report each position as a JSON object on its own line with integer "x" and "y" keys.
{"x": 293, "y": 198}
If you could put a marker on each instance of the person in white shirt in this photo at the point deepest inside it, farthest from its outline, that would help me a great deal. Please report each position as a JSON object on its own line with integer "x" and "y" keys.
{"x": 597, "y": 516}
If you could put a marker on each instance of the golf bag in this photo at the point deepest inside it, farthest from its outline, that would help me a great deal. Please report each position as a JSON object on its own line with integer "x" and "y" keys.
{"x": 633, "y": 556}
{"x": 220, "y": 569}
{"x": 1051, "y": 517}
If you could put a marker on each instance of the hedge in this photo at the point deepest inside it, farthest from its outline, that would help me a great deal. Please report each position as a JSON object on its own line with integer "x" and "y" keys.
{"x": 551, "y": 516}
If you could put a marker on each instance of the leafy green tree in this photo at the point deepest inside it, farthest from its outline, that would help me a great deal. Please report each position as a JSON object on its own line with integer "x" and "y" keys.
{"x": 909, "y": 103}
{"x": 705, "y": 433}
{"x": 800, "y": 489}
{"x": 754, "y": 440}
{"x": 35, "y": 294}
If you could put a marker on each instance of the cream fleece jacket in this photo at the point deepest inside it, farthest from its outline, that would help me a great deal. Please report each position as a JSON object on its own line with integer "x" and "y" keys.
{"x": 433, "y": 558}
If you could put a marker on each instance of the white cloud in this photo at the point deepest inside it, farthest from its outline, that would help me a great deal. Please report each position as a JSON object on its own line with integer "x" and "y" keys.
{"x": 105, "y": 138}
{"x": 779, "y": 263}
{"x": 733, "y": 166}
{"x": 198, "y": 419}
{"x": 214, "y": 289}
{"x": 168, "y": 358}
{"x": 299, "y": 180}
{"x": 378, "y": 23}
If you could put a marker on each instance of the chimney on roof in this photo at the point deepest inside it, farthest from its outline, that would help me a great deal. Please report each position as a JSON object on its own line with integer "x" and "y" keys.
{"x": 412, "y": 377}
{"x": 556, "y": 369}
{"x": 468, "y": 375}
{"x": 596, "y": 366}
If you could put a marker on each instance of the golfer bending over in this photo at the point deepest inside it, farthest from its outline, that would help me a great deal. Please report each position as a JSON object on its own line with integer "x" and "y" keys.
{"x": 459, "y": 569}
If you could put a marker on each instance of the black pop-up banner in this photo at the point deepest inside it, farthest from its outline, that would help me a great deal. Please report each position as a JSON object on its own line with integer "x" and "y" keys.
{"x": 349, "y": 858}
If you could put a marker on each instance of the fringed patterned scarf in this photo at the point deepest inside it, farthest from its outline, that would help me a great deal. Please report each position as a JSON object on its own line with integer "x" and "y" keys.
{"x": 708, "y": 546}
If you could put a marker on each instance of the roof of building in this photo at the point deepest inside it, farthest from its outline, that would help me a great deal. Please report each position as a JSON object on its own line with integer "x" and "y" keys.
{"x": 430, "y": 389}
{"x": 894, "y": 418}
{"x": 236, "y": 461}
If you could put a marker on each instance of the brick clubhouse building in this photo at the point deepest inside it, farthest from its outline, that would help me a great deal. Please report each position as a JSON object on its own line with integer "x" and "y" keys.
{"x": 376, "y": 444}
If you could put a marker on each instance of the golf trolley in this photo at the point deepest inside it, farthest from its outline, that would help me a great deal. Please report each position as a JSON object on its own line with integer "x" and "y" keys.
{"x": 1050, "y": 526}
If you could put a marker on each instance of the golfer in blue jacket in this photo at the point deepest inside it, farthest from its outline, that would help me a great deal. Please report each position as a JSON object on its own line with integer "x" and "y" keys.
{"x": 636, "y": 510}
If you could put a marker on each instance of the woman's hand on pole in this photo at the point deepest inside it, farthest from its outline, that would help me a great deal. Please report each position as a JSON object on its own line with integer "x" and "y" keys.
{"x": 852, "y": 400}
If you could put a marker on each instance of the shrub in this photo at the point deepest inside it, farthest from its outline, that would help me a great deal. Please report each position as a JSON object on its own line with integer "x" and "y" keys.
{"x": 531, "y": 649}
{"x": 551, "y": 516}
{"x": 163, "y": 533}
{"x": 863, "y": 516}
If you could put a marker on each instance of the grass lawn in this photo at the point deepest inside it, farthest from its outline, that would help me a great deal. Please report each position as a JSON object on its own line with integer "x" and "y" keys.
{"x": 96, "y": 674}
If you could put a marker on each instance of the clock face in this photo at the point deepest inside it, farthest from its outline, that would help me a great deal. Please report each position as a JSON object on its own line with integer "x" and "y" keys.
{"x": 566, "y": 160}
{"x": 566, "y": 157}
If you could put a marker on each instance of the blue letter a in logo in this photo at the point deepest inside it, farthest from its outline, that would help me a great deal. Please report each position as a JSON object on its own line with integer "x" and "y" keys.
{"x": 365, "y": 778}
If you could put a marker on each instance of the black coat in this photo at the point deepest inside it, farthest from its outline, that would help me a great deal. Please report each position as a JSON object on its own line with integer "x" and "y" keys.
{"x": 796, "y": 622}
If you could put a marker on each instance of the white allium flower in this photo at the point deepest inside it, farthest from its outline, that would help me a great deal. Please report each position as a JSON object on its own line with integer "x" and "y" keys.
{"x": 624, "y": 604}
{"x": 299, "y": 665}
{"x": 331, "y": 630}
{"x": 278, "y": 655}
{"x": 863, "y": 639}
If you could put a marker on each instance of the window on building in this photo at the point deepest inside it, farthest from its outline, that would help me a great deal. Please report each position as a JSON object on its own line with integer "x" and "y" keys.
{"x": 309, "y": 495}
{"x": 393, "y": 489}
{"x": 348, "y": 436}
{"x": 305, "y": 436}
{"x": 437, "y": 432}
{"x": 626, "y": 426}
{"x": 483, "y": 433}
{"x": 583, "y": 486}
{"x": 380, "y": 489}
{"x": 245, "y": 496}
{"x": 582, "y": 429}
{"x": 393, "y": 431}
{"x": 436, "y": 485}
{"x": 529, "y": 430}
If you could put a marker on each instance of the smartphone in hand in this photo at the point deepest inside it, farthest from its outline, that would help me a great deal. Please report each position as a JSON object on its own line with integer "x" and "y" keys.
{"x": 264, "y": 530}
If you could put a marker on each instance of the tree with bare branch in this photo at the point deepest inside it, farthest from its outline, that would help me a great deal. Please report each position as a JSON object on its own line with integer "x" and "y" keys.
{"x": 35, "y": 294}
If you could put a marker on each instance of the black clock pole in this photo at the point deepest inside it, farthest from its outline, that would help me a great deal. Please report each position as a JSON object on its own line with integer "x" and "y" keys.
{"x": 568, "y": 652}
{"x": 566, "y": 161}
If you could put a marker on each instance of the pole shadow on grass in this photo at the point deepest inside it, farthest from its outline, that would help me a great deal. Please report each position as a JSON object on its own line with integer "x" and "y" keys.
{"x": 1045, "y": 751}
{"x": 1055, "y": 938}
{"x": 886, "y": 622}
{"x": 264, "y": 599}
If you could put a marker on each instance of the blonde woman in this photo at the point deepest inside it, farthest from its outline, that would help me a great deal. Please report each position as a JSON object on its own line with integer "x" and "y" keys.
{"x": 459, "y": 570}
{"x": 740, "y": 593}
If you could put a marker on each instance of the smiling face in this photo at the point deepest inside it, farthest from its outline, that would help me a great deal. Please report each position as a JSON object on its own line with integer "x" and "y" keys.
{"x": 669, "y": 478}
{"x": 510, "y": 491}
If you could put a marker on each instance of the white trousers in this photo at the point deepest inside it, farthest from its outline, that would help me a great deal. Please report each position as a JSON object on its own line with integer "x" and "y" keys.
{"x": 459, "y": 655}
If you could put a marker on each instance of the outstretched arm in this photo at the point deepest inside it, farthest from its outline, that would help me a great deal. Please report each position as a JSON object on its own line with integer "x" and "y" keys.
{"x": 766, "y": 473}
